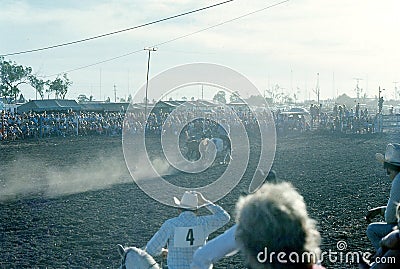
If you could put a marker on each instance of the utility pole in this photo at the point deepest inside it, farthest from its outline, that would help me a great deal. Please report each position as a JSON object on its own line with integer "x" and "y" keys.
{"x": 333, "y": 85}
{"x": 149, "y": 49}
{"x": 317, "y": 90}
{"x": 291, "y": 80}
{"x": 396, "y": 93}
{"x": 115, "y": 93}
{"x": 358, "y": 90}
{"x": 2, "y": 122}
{"x": 100, "y": 86}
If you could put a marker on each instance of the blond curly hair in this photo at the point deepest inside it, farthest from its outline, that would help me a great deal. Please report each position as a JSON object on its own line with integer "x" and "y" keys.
{"x": 275, "y": 219}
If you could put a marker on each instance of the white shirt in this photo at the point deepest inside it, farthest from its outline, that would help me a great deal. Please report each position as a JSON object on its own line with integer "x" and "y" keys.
{"x": 195, "y": 229}
{"x": 394, "y": 199}
{"x": 215, "y": 249}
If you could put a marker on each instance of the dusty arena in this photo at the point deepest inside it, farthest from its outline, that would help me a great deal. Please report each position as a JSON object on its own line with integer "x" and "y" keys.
{"x": 68, "y": 202}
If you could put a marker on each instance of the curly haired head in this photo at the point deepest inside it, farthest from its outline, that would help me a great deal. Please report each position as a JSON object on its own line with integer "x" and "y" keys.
{"x": 275, "y": 219}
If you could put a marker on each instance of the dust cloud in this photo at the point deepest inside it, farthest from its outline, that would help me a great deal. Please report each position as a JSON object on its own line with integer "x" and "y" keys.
{"x": 141, "y": 169}
{"x": 33, "y": 177}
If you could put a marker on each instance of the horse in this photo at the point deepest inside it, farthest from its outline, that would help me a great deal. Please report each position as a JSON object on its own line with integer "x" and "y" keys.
{"x": 136, "y": 258}
{"x": 222, "y": 146}
{"x": 192, "y": 152}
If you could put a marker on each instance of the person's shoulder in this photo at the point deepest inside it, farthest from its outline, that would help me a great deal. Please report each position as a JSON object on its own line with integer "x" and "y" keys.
{"x": 171, "y": 221}
{"x": 396, "y": 180}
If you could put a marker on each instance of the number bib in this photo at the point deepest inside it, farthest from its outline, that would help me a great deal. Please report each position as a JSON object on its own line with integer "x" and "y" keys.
{"x": 185, "y": 237}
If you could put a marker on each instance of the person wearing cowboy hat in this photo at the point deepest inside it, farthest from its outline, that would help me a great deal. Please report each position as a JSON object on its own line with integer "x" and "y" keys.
{"x": 224, "y": 245}
{"x": 377, "y": 230}
{"x": 389, "y": 251}
{"x": 184, "y": 234}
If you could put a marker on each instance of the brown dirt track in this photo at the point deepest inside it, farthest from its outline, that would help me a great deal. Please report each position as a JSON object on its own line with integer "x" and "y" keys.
{"x": 67, "y": 202}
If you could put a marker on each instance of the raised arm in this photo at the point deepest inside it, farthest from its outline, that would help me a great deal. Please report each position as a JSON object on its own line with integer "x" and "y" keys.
{"x": 219, "y": 216}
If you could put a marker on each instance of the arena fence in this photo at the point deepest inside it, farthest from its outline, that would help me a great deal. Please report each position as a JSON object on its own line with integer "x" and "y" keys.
{"x": 388, "y": 123}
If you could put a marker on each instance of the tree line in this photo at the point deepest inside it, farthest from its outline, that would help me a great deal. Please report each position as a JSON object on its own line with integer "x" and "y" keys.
{"x": 13, "y": 76}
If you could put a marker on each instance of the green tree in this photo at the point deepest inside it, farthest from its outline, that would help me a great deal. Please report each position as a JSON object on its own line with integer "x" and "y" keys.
{"x": 60, "y": 86}
{"x": 82, "y": 98}
{"x": 235, "y": 97}
{"x": 130, "y": 98}
{"x": 12, "y": 76}
{"x": 220, "y": 97}
{"x": 275, "y": 94}
{"x": 38, "y": 85}
{"x": 255, "y": 100}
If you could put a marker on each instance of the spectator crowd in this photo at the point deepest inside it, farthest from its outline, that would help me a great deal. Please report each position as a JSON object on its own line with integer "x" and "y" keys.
{"x": 14, "y": 126}
{"x": 340, "y": 119}
{"x": 19, "y": 126}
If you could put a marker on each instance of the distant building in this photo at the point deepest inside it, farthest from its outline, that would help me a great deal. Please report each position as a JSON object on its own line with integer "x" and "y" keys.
{"x": 49, "y": 105}
{"x": 104, "y": 107}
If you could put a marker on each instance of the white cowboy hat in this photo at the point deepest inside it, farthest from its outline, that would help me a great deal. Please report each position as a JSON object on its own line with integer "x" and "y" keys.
{"x": 392, "y": 155}
{"x": 189, "y": 201}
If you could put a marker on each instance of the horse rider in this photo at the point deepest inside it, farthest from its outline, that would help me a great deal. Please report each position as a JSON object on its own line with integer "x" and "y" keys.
{"x": 184, "y": 234}
{"x": 377, "y": 230}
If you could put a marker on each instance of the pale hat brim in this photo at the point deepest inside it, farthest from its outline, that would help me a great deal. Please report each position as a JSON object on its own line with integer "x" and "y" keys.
{"x": 181, "y": 205}
{"x": 391, "y": 156}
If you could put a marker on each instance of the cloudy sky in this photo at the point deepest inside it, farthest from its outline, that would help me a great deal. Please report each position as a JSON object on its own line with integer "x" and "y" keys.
{"x": 285, "y": 45}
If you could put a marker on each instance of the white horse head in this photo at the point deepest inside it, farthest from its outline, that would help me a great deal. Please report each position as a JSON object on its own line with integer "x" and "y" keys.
{"x": 136, "y": 258}
{"x": 222, "y": 147}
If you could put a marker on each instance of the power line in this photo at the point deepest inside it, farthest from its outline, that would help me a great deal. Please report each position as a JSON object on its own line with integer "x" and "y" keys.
{"x": 116, "y": 32}
{"x": 222, "y": 23}
{"x": 174, "y": 39}
{"x": 97, "y": 63}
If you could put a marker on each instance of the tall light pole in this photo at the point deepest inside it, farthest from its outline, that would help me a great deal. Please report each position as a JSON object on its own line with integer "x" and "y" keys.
{"x": 395, "y": 90}
{"x": 317, "y": 90}
{"x": 149, "y": 49}
{"x": 358, "y": 90}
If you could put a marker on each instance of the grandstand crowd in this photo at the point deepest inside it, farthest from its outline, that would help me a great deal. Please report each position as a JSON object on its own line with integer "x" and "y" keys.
{"x": 339, "y": 120}
{"x": 33, "y": 125}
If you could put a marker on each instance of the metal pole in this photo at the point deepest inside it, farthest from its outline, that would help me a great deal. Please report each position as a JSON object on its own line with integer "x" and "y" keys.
{"x": 379, "y": 93}
{"x": 115, "y": 93}
{"x": 147, "y": 86}
{"x": 77, "y": 124}
{"x": 318, "y": 88}
{"x": 150, "y": 49}
{"x": 2, "y": 122}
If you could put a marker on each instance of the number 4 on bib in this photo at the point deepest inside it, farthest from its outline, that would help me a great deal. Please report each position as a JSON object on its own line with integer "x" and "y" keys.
{"x": 189, "y": 237}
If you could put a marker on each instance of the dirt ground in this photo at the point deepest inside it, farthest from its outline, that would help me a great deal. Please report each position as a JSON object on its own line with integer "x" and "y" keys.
{"x": 67, "y": 202}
